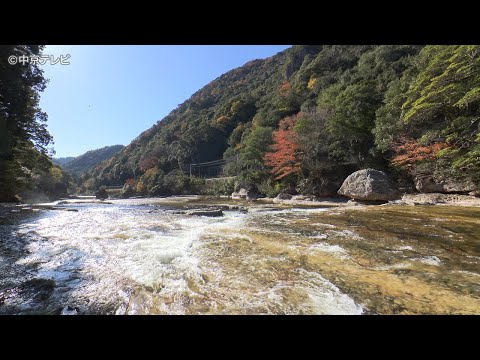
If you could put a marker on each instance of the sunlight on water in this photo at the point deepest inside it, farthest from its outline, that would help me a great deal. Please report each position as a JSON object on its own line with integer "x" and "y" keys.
{"x": 143, "y": 256}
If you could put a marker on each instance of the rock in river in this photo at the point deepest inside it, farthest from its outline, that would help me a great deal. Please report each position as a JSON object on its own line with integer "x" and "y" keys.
{"x": 369, "y": 185}
{"x": 206, "y": 212}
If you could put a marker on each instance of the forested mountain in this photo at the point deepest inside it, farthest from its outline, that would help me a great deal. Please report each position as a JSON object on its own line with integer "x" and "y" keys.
{"x": 62, "y": 160}
{"x": 308, "y": 116}
{"x": 77, "y": 165}
{"x": 26, "y": 171}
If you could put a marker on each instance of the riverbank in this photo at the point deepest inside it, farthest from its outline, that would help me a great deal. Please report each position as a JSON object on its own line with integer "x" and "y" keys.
{"x": 406, "y": 199}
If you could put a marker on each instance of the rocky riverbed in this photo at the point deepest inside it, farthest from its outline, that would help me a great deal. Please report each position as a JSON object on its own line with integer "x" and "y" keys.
{"x": 200, "y": 255}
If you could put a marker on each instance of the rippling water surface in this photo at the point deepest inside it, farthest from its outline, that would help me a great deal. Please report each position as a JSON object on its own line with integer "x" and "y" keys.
{"x": 144, "y": 256}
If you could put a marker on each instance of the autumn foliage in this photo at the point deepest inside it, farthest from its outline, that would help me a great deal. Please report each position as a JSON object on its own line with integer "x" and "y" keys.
{"x": 148, "y": 163}
{"x": 408, "y": 152}
{"x": 284, "y": 157}
{"x": 285, "y": 88}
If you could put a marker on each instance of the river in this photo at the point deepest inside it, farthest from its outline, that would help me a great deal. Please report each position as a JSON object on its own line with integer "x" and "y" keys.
{"x": 146, "y": 256}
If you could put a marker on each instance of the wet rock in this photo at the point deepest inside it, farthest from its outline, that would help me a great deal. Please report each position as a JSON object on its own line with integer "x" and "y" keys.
{"x": 41, "y": 288}
{"x": 369, "y": 185}
{"x": 209, "y": 212}
{"x": 69, "y": 310}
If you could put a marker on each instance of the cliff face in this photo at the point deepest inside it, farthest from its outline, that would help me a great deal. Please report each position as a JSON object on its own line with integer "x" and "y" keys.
{"x": 318, "y": 112}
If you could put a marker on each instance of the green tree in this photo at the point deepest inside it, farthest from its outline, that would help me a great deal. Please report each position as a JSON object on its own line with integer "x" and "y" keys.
{"x": 254, "y": 146}
{"x": 22, "y": 123}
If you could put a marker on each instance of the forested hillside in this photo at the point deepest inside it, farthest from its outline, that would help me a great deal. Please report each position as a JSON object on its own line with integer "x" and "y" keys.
{"x": 307, "y": 117}
{"x": 26, "y": 172}
{"x": 62, "y": 160}
{"x": 77, "y": 165}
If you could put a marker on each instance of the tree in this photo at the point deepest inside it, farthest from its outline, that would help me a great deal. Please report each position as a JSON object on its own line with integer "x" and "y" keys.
{"x": 254, "y": 145}
{"x": 351, "y": 122}
{"x": 23, "y": 131}
{"x": 284, "y": 157}
{"x": 312, "y": 137}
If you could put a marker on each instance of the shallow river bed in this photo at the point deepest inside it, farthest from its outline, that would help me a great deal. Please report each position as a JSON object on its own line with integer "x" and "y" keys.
{"x": 146, "y": 256}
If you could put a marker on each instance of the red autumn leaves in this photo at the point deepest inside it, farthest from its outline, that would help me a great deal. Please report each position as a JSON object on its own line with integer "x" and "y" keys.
{"x": 284, "y": 157}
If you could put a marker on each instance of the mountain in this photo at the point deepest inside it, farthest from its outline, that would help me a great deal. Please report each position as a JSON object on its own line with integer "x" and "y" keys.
{"x": 62, "y": 160}
{"x": 77, "y": 165}
{"x": 304, "y": 119}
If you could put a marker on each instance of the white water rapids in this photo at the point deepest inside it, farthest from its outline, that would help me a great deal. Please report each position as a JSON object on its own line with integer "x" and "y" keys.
{"x": 141, "y": 257}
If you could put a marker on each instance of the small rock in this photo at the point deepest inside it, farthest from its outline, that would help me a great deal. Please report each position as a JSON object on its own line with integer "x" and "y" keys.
{"x": 211, "y": 213}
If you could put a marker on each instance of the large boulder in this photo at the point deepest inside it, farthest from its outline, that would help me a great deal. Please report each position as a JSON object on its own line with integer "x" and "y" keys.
{"x": 369, "y": 185}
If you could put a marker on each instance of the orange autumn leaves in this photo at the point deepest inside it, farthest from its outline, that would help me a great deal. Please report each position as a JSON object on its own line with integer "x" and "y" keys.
{"x": 285, "y": 155}
{"x": 408, "y": 152}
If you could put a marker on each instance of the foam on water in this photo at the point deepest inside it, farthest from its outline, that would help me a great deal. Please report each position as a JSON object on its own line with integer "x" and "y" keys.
{"x": 100, "y": 252}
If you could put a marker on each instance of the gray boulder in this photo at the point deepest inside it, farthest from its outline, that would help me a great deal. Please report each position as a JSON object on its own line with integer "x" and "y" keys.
{"x": 369, "y": 185}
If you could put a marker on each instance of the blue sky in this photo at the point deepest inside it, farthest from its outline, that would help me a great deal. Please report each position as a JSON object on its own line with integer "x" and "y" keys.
{"x": 110, "y": 94}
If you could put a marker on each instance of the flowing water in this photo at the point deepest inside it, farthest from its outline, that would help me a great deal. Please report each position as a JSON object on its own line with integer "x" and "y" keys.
{"x": 144, "y": 256}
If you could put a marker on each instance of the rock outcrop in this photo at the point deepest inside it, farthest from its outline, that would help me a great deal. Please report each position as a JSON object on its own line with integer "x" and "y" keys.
{"x": 246, "y": 191}
{"x": 369, "y": 185}
{"x": 444, "y": 185}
